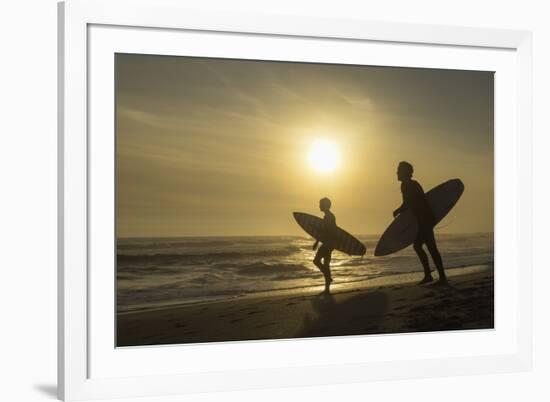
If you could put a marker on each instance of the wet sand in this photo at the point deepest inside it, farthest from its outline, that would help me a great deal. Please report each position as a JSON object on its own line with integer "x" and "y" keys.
{"x": 391, "y": 304}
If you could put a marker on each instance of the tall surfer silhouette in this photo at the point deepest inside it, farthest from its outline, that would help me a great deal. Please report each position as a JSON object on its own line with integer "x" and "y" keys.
{"x": 327, "y": 238}
{"x": 415, "y": 200}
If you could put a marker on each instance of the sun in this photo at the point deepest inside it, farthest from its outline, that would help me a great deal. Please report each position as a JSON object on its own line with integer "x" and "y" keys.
{"x": 324, "y": 156}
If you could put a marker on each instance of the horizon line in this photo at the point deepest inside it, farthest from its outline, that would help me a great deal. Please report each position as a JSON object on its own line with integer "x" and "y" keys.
{"x": 281, "y": 235}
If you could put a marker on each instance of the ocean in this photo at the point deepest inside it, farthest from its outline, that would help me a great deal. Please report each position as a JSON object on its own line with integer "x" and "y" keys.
{"x": 159, "y": 272}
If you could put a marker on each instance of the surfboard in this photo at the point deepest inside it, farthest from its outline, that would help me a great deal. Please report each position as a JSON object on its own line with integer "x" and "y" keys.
{"x": 402, "y": 231}
{"x": 345, "y": 242}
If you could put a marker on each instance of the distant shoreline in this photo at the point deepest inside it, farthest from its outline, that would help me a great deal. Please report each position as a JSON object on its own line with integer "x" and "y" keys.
{"x": 298, "y": 236}
{"x": 388, "y": 304}
{"x": 338, "y": 287}
{"x": 161, "y": 272}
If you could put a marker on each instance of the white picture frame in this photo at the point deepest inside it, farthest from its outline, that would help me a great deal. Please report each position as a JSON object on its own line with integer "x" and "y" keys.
{"x": 88, "y": 369}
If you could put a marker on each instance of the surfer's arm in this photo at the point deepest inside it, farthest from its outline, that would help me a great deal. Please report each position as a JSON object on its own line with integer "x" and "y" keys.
{"x": 328, "y": 228}
{"x": 406, "y": 192}
{"x": 403, "y": 206}
{"x": 399, "y": 210}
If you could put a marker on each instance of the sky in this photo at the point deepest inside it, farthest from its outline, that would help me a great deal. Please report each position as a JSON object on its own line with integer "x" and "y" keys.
{"x": 222, "y": 147}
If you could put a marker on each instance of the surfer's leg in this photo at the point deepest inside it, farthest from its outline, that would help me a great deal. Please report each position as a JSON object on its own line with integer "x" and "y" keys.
{"x": 326, "y": 264}
{"x": 326, "y": 273}
{"x": 317, "y": 260}
{"x": 423, "y": 257}
{"x": 436, "y": 256}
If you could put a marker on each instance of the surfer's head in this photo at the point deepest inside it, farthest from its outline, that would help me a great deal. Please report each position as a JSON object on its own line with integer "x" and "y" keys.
{"x": 404, "y": 171}
{"x": 324, "y": 204}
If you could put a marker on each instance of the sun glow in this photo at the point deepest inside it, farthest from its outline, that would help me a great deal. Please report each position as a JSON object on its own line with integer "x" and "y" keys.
{"x": 324, "y": 156}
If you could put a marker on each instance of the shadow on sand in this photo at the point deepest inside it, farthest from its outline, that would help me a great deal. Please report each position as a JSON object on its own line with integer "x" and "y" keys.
{"x": 356, "y": 315}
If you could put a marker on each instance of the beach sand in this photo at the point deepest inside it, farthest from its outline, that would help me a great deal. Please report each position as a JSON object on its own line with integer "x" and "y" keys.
{"x": 391, "y": 304}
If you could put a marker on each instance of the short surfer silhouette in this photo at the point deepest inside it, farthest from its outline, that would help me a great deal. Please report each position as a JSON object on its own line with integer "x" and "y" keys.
{"x": 415, "y": 200}
{"x": 327, "y": 238}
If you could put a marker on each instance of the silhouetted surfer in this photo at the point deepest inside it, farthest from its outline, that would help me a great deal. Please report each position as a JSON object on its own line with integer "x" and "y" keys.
{"x": 327, "y": 238}
{"x": 415, "y": 200}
